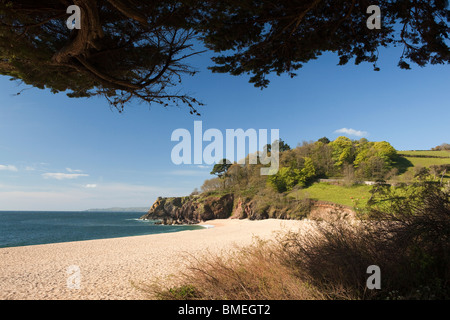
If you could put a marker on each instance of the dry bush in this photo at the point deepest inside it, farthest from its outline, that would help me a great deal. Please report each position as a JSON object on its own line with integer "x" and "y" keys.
{"x": 212, "y": 185}
{"x": 334, "y": 257}
{"x": 256, "y": 272}
{"x": 407, "y": 236}
{"x": 329, "y": 261}
{"x": 410, "y": 244}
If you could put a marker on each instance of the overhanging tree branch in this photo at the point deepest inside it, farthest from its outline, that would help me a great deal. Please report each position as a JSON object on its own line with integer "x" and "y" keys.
{"x": 127, "y": 10}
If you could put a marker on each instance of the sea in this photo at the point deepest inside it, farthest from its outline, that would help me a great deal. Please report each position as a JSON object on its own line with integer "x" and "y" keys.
{"x": 25, "y": 228}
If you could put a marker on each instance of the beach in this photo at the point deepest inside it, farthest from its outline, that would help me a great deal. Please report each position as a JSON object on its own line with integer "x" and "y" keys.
{"x": 113, "y": 268}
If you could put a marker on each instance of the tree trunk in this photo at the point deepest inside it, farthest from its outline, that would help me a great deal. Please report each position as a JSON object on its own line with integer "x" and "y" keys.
{"x": 87, "y": 37}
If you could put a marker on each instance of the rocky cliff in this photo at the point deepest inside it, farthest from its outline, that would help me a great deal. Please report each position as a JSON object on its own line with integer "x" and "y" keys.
{"x": 190, "y": 210}
{"x": 196, "y": 209}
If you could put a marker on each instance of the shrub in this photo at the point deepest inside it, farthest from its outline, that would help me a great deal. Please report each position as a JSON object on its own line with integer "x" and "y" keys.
{"x": 187, "y": 292}
{"x": 252, "y": 273}
{"x": 408, "y": 238}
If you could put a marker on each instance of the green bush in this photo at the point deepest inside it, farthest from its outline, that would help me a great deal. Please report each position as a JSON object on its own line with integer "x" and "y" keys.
{"x": 185, "y": 292}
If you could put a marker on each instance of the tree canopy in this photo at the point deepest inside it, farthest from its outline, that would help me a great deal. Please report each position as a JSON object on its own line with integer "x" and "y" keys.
{"x": 221, "y": 168}
{"x": 280, "y": 36}
{"x": 351, "y": 161}
{"x": 128, "y": 49}
{"x": 124, "y": 50}
{"x": 282, "y": 146}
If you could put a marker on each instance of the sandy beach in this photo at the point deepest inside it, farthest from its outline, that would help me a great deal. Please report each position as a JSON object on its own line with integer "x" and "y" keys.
{"x": 108, "y": 267}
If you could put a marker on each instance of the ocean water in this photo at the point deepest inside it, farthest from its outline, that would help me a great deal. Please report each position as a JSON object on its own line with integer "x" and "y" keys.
{"x": 31, "y": 228}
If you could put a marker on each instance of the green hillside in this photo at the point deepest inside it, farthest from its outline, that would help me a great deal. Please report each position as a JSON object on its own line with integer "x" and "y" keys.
{"x": 423, "y": 159}
{"x": 426, "y": 153}
{"x": 347, "y": 196}
{"x": 341, "y": 166}
{"x": 358, "y": 194}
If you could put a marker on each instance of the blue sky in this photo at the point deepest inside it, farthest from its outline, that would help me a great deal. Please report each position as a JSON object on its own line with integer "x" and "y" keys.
{"x": 58, "y": 153}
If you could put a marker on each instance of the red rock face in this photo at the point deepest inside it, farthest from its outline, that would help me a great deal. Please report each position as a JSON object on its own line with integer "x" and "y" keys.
{"x": 196, "y": 209}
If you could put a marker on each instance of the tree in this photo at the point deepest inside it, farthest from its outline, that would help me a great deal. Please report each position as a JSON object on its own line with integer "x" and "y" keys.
{"x": 195, "y": 192}
{"x": 285, "y": 179}
{"x": 374, "y": 159}
{"x": 444, "y": 146}
{"x": 124, "y": 50}
{"x": 136, "y": 50}
{"x": 343, "y": 151}
{"x": 321, "y": 155}
{"x": 220, "y": 169}
{"x": 211, "y": 185}
{"x": 289, "y": 177}
{"x": 259, "y": 37}
{"x": 324, "y": 140}
{"x": 385, "y": 151}
{"x": 307, "y": 173}
{"x": 282, "y": 146}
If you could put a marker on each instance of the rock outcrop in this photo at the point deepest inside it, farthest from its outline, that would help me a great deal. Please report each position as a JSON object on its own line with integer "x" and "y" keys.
{"x": 196, "y": 209}
{"x": 328, "y": 211}
{"x": 190, "y": 210}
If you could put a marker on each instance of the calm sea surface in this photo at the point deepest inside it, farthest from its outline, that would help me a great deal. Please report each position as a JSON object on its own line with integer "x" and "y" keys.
{"x": 30, "y": 228}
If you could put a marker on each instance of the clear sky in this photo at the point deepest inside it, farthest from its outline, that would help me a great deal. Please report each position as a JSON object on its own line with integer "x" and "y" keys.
{"x": 58, "y": 153}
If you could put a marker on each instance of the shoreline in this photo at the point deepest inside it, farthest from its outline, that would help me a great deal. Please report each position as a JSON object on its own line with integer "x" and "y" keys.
{"x": 204, "y": 225}
{"x": 109, "y": 267}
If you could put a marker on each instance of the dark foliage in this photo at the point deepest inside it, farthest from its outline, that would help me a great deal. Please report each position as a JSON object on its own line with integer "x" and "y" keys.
{"x": 128, "y": 49}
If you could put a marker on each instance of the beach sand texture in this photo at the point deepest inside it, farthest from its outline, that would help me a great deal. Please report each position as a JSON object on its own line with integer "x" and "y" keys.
{"x": 108, "y": 267}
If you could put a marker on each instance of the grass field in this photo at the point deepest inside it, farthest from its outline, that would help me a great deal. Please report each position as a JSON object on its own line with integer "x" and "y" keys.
{"x": 426, "y": 153}
{"x": 349, "y": 196}
{"x": 337, "y": 194}
{"x": 424, "y": 159}
{"x": 427, "y": 162}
